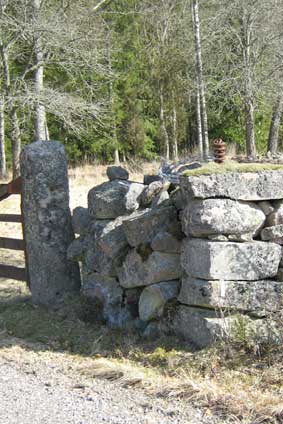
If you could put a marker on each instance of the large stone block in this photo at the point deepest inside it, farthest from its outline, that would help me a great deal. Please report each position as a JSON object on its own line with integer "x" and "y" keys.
{"x": 138, "y": 271}
{"x": 80, "y": 220}
{"x": 221, "y": 216}
{"x": 262, "y": 295}
{"x": 154, "y": 298}
{"x": 264, "y": 185}
{"x": 47, "y": 222}
{"x": 230, "y": 261}
{"x": 201, "y": 327}
{"x": 107, "y": 247}
{"x": 142, "y": 227}
{"x": 114, "y": 198}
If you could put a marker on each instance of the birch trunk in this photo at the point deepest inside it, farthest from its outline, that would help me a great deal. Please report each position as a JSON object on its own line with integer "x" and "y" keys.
{"x": 274, "y": 125}
{"x": 2, "y": 139}
{"x": 111, "y": 100}
{"x": 16, "y": 142}
{"x": 163, "y": 125}
{"x": 200, "y": 79}
{"x": 175, "y": 136}
{"x": 199, "y": 124}
{"x": 15, "y": 129}
{"x": 248, "y": 98}
{"x": 41, "y": 128}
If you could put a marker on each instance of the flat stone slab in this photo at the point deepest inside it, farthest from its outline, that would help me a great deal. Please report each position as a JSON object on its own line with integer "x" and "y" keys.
{"x": 138, "y": 271}
{"x": 251, "y": 186}
{"x": 264, "y": 295}
{"x": 221, "y": 216}
{"x": 211, "y": 260}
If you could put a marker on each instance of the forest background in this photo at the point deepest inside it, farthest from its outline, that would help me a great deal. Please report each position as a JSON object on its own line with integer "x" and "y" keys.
{"x": 121, "y": 79}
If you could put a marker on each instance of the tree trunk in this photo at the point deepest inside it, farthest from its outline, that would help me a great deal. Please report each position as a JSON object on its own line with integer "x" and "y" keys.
{"x": 274, "y": 125}
{"x": 200, "y": 80}
{"x": 175, "y": 136}
{"x": 16, "y": 142}
{"x": 199, "y": 124}
{"x": 41, "y": 129}
{"x": 14, "y": 123}
{"x": 249, "y": 97}
{"x": 111, "y": 100}
{"x": 163, "y": 126}
{"x": 2, "y": 139}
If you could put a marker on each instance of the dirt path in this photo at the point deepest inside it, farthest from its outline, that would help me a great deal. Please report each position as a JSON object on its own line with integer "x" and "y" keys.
{"x": 44, "y": 387}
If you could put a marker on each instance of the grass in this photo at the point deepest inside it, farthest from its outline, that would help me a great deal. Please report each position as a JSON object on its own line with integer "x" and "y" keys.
{"x": 232, "y": 166}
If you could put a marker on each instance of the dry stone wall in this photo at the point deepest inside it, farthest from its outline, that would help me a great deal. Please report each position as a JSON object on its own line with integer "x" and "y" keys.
{"x": 188, "y": 259}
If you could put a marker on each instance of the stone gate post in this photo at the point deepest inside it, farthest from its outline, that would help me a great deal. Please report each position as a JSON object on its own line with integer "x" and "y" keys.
{"x": 47, "y": 222}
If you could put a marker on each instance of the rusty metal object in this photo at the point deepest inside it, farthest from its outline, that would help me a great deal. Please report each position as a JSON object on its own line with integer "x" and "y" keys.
{"x": 219, "y": 150}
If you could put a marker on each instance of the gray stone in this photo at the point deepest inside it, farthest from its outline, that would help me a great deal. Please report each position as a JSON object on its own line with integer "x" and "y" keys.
{"x": 152, "y": 331}
{"x": 154, "y": 298}
{"x": 161, "y": 200}
{"x": 117, "y": 173}
{"x": 76, "y": 250}
{"x": 245, "y": 237}
{"x": 142, "y": 227}
{"x": 279, "y": 276}
{"x": 221, "y": 216}
{"x": 47, "y": 222}
{"x": 177, "y": 199}
{"x": 274, "y": 234}
{"x": 217, "y": 237}
{"x": 201, "y": 327}
{"x": 148, "y": 179}
{"x": 112, "y": 239}
{"x": 230, "y": 261}
{"x": 264, "y": 295}
{"x": 107, "y": 247}
{"x": 114, "y": 198}
{"x": 80, "y": 220}
{"x": 136, "y": 272}
{"x": 204, "y": 327}
{"x": 151, "y": 191}
{"x": 104, "y": 291}
{"x": 166, "y": 242}
{"x": 276, "y": 217}
{"x": 251, "y": 186}
{"x": 266, "y": 207}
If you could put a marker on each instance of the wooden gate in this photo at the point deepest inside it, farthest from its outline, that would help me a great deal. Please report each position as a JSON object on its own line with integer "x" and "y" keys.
{"x": 8, "y": 271}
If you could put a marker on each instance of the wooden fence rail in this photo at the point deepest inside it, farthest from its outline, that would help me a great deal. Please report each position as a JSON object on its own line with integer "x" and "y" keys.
{"x": 8, "y": 271}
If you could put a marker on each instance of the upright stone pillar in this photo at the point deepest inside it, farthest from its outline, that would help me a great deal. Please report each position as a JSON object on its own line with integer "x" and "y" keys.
{"x": 47, "y": 222}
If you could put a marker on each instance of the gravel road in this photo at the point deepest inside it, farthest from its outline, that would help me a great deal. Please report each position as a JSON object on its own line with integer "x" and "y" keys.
{"x": 45, "y": 397}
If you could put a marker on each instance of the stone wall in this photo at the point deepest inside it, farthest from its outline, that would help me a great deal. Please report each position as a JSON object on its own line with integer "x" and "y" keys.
{"x": 188, "y": 259}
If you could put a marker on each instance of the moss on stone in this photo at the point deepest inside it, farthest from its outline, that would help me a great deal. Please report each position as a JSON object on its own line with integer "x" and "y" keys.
{"x": 232, "y": 166}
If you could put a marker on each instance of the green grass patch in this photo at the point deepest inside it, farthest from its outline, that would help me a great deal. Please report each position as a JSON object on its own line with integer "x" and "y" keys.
{"x": 232, "y": 166}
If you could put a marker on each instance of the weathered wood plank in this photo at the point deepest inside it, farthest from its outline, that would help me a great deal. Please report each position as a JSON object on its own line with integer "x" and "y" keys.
{"x": 12, "y": 272}
{"x": 10, "y": 243}
{"x": 15, "y": 186}
{"x": 10, "y": 218}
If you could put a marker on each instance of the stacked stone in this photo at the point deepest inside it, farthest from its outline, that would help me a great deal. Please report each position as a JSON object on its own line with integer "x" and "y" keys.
{"x": 129, "y": 249}
{"x": 234, "y": 228}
